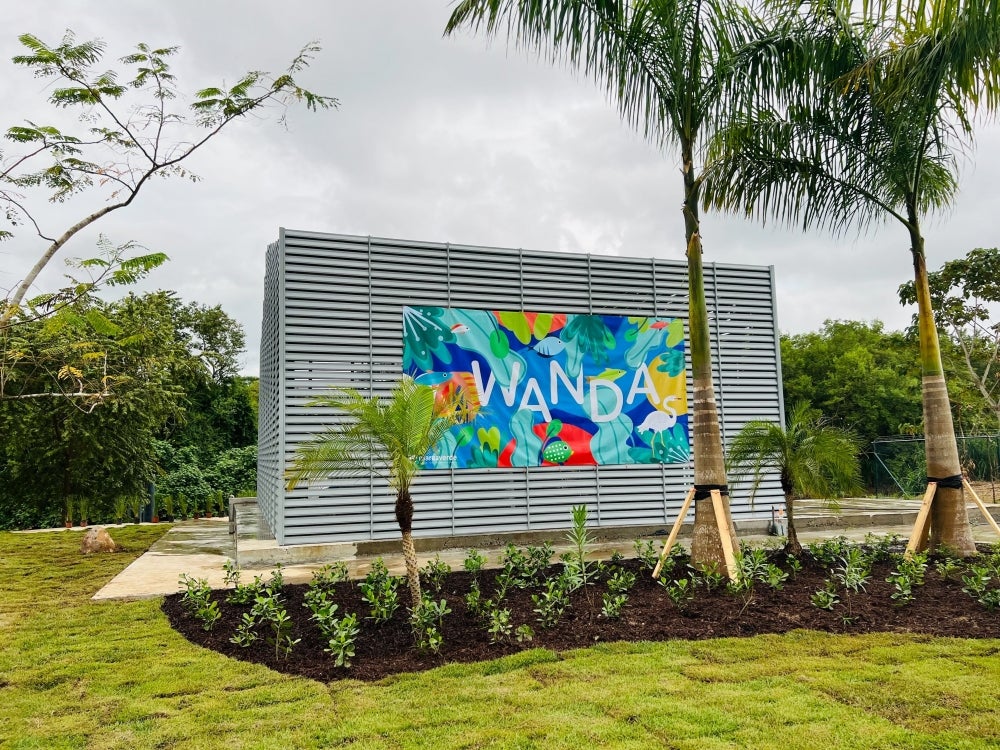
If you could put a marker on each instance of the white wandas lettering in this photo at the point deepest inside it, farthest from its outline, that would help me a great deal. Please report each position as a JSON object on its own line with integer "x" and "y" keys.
{"x": 595, "y": 410}
{"x": 485, "y": 392}
{"x": 648, "y": 389}
{"x": 533, "y": 398}
{"x": 541, "y": 407}
{"x": 557, "y": 373}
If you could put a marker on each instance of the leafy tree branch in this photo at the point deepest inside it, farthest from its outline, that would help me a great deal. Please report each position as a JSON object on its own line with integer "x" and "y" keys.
{"x": 130, "y": 133}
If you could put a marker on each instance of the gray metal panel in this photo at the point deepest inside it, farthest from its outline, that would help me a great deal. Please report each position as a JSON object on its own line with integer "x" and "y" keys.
{"x": 270, "y": 455}
{"x": 341, "y": 300}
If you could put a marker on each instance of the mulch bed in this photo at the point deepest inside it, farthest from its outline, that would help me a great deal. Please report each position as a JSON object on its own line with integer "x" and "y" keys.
{"x": 941, "y": 608}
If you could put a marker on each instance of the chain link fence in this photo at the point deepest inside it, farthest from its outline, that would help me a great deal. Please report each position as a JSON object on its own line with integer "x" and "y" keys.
{"x": 896, "y": 466}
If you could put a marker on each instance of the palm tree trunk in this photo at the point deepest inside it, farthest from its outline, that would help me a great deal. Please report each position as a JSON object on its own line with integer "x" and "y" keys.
{"x": 412, "y": 572}
{"x": 709, "y": 461}
{"x": 404, "y": 517}
{"x": 792, "y": 545}
{"x": 949, "y": 517}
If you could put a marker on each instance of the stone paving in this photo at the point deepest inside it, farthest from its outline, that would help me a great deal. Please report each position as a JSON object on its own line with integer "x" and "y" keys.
{"x": 200, "y": 548}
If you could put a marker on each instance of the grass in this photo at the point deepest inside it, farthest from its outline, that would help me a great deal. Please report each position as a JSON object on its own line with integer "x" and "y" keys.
{"x": 80, "y": 674}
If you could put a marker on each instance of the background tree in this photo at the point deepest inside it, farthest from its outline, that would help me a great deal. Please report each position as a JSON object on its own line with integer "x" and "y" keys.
{"x": 859, "y": 375}
{"x": 220, "y": 414}
{"x": 867, "y": 379}
{"x": 58, "y": 452}
{"x": 858, "y": 121}
{"x": 218, "y": 339}
{"x": 965, "y": 294}
{"x": 129, "y": 133}
{"x": 387, "y": 438}
{"x": 812, "y": 458}
{"x": 162, "y": 418}
{"x": 659, "y": 60}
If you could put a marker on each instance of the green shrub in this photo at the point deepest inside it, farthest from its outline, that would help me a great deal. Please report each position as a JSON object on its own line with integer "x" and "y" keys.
{"x": 234, "y": 472}
{"x": 187, "y": 479}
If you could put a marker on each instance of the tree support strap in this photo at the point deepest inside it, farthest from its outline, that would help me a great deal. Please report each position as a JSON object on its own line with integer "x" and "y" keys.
{"x": 921, "y": 529}
{"x": 949, "y": 483}
{"x": 704, "y": 491}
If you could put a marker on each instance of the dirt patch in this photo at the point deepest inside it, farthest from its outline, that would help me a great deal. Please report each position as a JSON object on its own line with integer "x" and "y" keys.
{"x": 940, "y": 608}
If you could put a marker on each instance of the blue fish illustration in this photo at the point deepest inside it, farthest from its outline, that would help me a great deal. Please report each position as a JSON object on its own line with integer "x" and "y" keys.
{"x": 432, "y": 378}
{"x": 550, "y": 346}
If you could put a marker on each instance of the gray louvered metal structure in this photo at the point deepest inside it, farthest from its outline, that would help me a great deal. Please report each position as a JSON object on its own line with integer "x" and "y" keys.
{"x": 333, "y": 317}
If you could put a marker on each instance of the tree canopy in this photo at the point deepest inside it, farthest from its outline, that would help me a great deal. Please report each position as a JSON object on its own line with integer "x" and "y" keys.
{"x": 59, "y": 453}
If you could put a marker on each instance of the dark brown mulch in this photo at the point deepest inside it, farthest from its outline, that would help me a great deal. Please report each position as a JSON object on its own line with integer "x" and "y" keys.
{"x": 941, "y": 608}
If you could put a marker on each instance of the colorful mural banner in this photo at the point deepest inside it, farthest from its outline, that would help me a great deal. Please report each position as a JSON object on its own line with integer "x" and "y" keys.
{"x": 547, "y": 389}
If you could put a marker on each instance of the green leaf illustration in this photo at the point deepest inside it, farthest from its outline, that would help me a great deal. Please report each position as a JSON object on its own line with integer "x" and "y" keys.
{"x": 591, "y": 334}
{"x": 543, "y": 324}
{"x": 516, "y": 323}
{"x": 499, "y": 344}
{"x": 425, "y": 334}
{"x": 675, "y": 332}
{"x": 527, "y": 444}
{"x": 673, "y": 362}
{"x": 489, "y": 438}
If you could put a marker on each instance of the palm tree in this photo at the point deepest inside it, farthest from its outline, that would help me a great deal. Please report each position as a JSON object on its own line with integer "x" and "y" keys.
{"x": 387, "y": 438}
{"x": 812, "y": 458}
{"x": 861, "y": 121}
{"x": 658, "y": 60}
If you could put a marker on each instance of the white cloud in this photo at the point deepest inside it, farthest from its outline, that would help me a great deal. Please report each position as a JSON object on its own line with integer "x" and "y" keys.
{"x": 441, "y": 139}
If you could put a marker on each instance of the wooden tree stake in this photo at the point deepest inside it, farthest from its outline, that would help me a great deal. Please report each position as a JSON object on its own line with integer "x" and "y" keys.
{"x": 724, "y": 536}
{"x": 918, "y": 539}
{"x": 674, "y": 532}
{"x": 982, "y": 506}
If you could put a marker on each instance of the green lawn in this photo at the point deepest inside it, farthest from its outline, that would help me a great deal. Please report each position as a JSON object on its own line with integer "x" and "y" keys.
{"x": 74, "y": 673}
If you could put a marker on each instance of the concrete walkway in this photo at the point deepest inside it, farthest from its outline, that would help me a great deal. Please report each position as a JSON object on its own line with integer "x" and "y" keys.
{"x": 200, "y": 548}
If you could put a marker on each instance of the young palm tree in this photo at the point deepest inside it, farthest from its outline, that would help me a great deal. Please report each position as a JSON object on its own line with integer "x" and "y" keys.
{"x": 387, "y": 438}
{"x": 860, "y": 121}
{"x": 658, "y": 59}
{"x": 813, "y": 459}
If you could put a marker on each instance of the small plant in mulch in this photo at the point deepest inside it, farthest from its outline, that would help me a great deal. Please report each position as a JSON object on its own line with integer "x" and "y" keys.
{"x": 553, "y": 600}
{"x": 526, "y": 567}
{"x": 434, "y": 573}
{"x": 909, "y": 574}
{"x": 645, "y": 553}
{"x": 197, "y": 599}
{"x": 474, "y": 562}
{"x": 978, "y": 582}
{"x": 330, "y": 575}
{"x": 427, "y": 620}
{"x": 380, "y": 592}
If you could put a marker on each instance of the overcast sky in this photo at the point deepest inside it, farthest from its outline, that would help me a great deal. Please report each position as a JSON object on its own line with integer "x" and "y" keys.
{"x": 437, "y": 139}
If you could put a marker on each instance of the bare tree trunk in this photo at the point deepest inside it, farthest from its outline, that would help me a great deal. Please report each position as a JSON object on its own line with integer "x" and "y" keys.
{"x": 949, "y": 516}
{"x": 412, "y": 571}
{"x": 792, "y": 545}
{"x": 709, "y": 460}
{"x": 404, "y": 517}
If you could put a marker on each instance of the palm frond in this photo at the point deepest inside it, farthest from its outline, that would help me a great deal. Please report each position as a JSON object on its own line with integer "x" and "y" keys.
{"x": 656, "y": 58}
{"x": 388, "y": 438}
{"x": 821, "y": 144}
{"x": 811, "y": 457}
